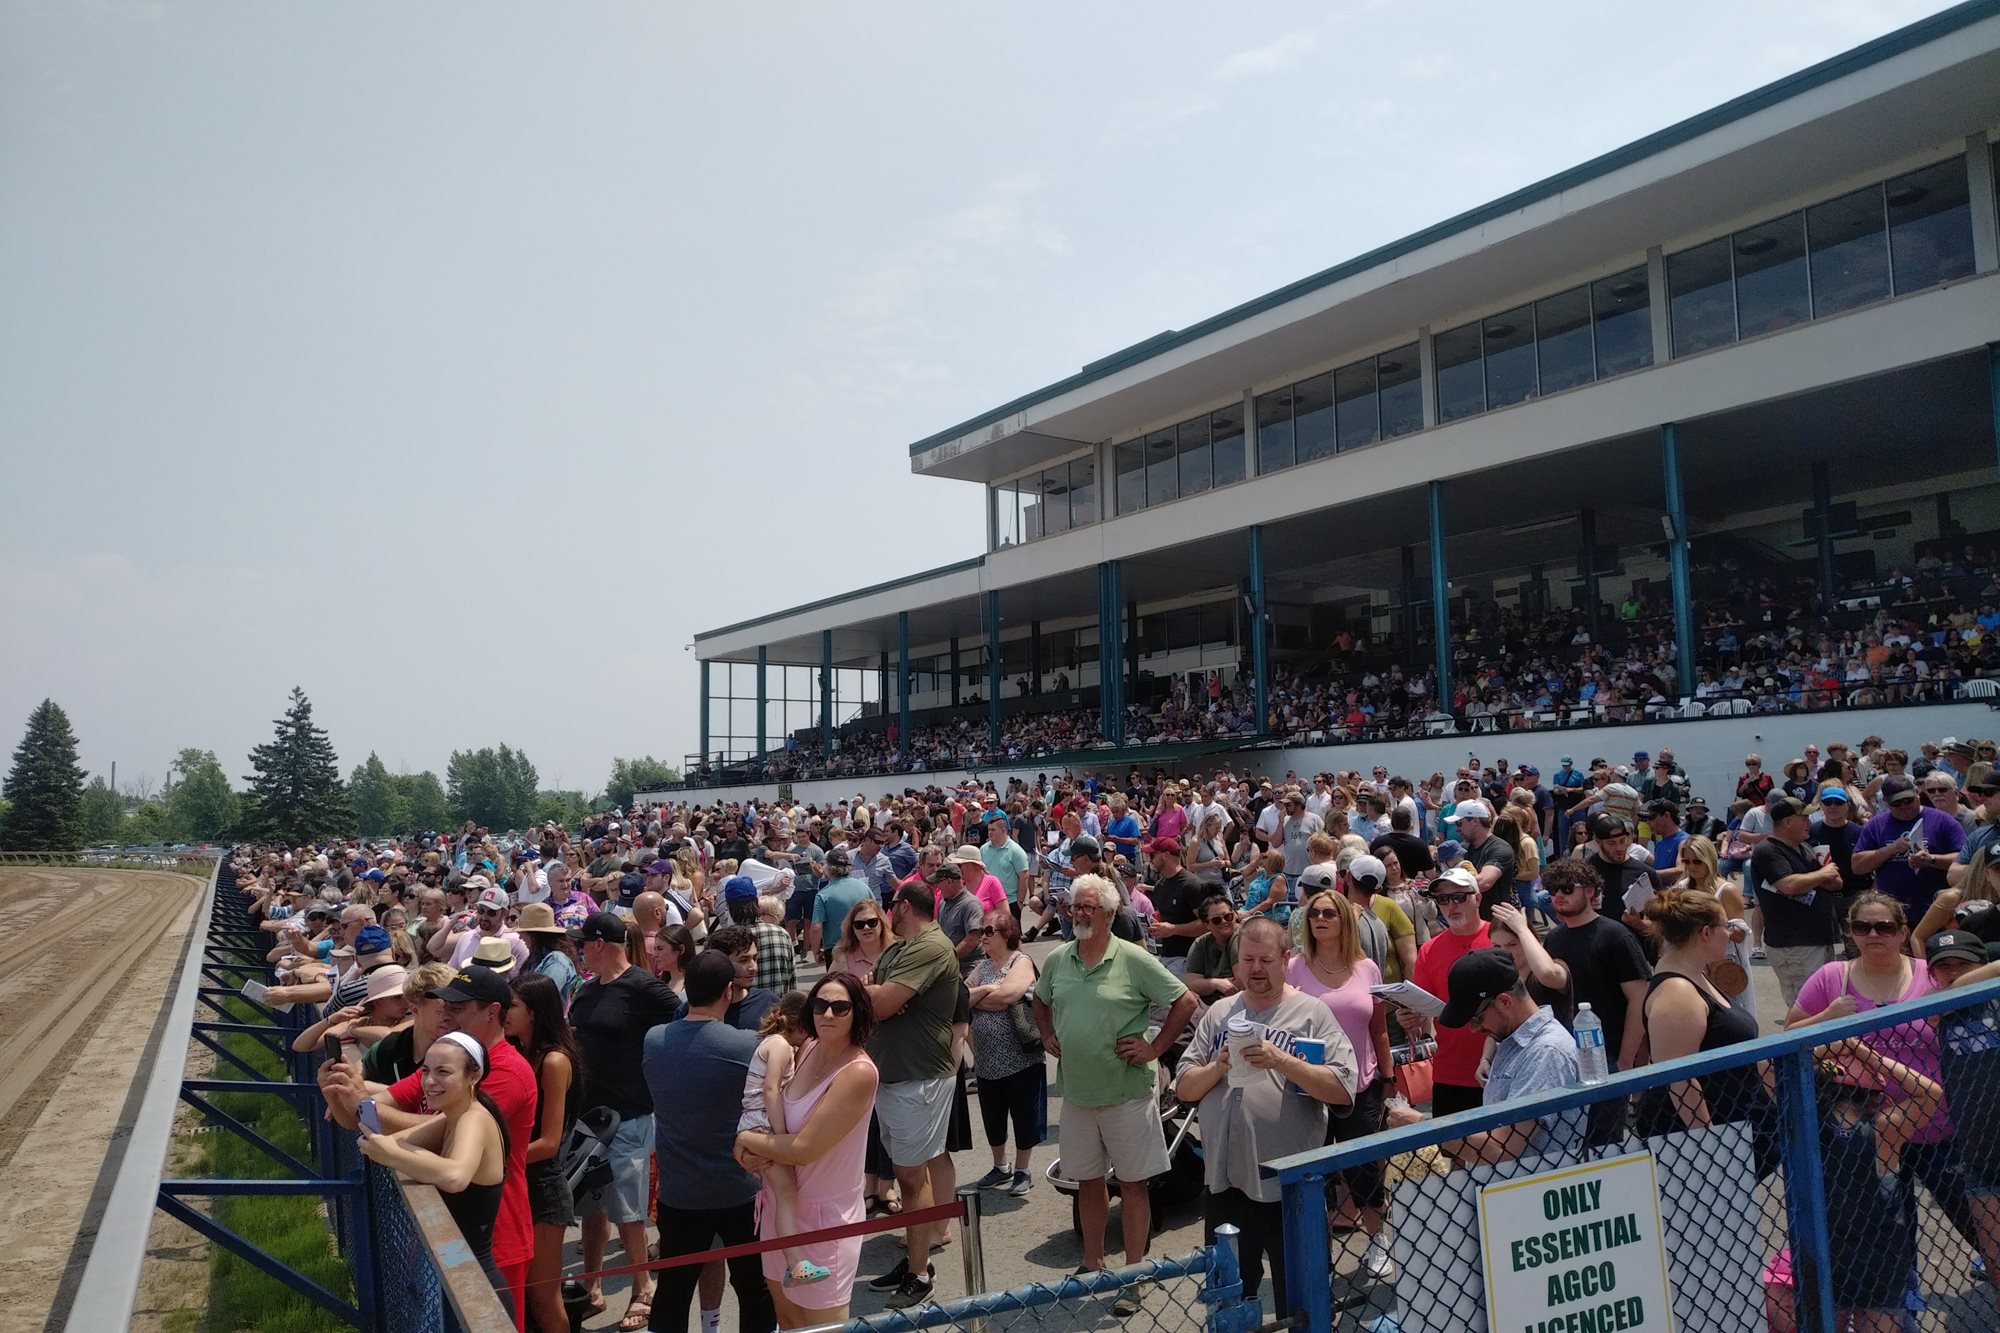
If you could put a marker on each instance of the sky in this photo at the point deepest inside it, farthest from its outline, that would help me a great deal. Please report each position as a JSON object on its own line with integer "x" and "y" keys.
{"x": 460, "y": 362}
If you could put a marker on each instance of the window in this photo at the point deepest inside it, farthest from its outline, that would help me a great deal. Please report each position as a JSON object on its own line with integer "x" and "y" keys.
{"x": 1461, "y": 380}
{"x": 1771, "y": 289}
{"x": 1930, "y": 226}
{"x": 1621, "y": 317}
{"x": 1129, "y": 460}
{"x": 1562, "y": 341}
{"x": 1082, "y": 492}
{"x": 1274, "y": 432}
{"x": 1162, "y": 468}
{"x": 1402, "y": 392}
{"x": 1225, "y": 434}
{"x": 1849, "y": 241}
{"x": 1703, "y": 303}
{"x": 1354, "y": 406}
{"x": 1509, "y": 339}
{"x": 1197, "y": 464}
{"x": 1007, "y": 516}
{"x": 1312, "y": 415}
{"x": 1055, "y": 500}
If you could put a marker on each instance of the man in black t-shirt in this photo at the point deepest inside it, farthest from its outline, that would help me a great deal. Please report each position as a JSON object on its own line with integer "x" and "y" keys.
{"x": 1176, "y": 897}
{"x": 1837, "y": 833}
{"x": 1492, "y": 857}
{"x": 1797, "y": 896}
{"x": 1607, "y": 971}
{"x": 1411, "y": 853}
{"x": 1629, "y": 884}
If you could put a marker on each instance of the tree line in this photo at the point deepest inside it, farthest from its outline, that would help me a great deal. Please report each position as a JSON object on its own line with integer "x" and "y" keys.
{"x": 294, "y": 792}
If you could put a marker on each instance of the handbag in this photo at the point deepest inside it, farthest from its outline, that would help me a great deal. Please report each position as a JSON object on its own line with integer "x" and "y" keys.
{"x": 1415, "y": 1080}
{"x": 1022, "y": 1014}
{"x": 585, "y": 1156}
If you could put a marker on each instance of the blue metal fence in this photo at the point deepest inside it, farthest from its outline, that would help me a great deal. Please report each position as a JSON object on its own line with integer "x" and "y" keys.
{"x": 1721, "y": 1227}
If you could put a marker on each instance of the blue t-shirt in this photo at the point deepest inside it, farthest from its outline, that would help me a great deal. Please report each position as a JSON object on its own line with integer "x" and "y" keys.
{"x": 835, "y": 901}
{"x": 1667, "y": 851}
{"x": 1124, "y": 835}
{"x": 696, "y": 1069}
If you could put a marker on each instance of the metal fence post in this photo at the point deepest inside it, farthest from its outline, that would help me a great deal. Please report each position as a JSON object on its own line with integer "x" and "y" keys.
{"x": 971, "y": 1252}
{"x": 1228, "y": 1311}
{"x": 1307, "y": 1249}
{"x": 1805, "y": 1190}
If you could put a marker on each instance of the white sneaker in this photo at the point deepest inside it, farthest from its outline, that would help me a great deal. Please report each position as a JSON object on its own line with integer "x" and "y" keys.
{"x": 1375, "y": 1261}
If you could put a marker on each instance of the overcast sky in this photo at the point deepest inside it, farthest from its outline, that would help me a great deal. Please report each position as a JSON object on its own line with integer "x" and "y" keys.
{"x": 460, "y": 362}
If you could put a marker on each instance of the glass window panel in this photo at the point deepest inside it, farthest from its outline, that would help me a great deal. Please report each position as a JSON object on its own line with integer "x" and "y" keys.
{"x": 1183, "y": 628}
{"x": 1032, "y": 512}
{"x": 1621, "y": 322}
{"x": 1703, "y": 309}
{"x": 1130, "y": 461}
{"x": 1162, "y": 472}
{"x": 1400, "y": 388}
{"x": 1197, "y": 471}
{"x": 1055, "y": 500}
{"x": 1225, "y": 433}
{"x": 1007, "y": 515}
{"x": 1849, "y": 244}
{"x": 1274, "y": 431}
{"x": 1562, "y": 340}
{"x": 1930, "y": 226}
{"x": 1771, "y": 276}
{"x": 1354, "y": 420}
{"x": 1082, "y": 492}
{"x": 1510, "y": 356}
{"x": 1461, "y": 381}
{"x": 1313, "y": 412}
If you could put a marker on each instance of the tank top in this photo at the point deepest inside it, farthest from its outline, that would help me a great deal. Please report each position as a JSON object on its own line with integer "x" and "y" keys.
{"x": 1735, "y": 1094}
{"x": 834, "y": 1177}
{"x": 475, "y": 1209}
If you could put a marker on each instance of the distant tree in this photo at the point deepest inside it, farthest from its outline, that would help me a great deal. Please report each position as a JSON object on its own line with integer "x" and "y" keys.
{"x": 297, "y": 779}
{"x": 103, "y": 810}
{"x": 429, "y": 812}
{"x": 141, "y": 789}
{"x": 200, "y": 807}
{"x": 150, "y": 822}
{"x": 378, "y": 800}
{"x": 629, "y": 776}
{"x": 492, "y": 788}
{"x": 566, "y": 808}
{"x": 44, "y": 788}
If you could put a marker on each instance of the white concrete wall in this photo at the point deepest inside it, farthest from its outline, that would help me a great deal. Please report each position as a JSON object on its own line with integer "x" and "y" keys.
{"x": 1710, "y": 749}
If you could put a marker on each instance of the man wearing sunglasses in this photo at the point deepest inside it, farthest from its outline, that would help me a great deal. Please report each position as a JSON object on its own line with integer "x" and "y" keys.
{"x": 1908, "y": 847}
{"x": 1211, "y": 961}
{"x": 1455, "y": 1080}
{"x": 1982, "y": 785}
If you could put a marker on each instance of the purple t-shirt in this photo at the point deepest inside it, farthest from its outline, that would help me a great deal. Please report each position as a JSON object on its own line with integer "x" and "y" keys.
{"x": 1914, "y": 1043}
{"x": 1912, "y": 887}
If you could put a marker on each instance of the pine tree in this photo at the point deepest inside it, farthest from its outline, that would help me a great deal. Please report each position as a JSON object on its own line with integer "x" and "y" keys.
{"x": 44, "y": 789}
{"x": 299, "y": 796}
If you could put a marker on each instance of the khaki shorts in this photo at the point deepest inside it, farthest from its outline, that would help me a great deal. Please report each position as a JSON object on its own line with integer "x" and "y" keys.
{"x": 1124, "y": 1137}
{"x": 1795, "y": 965}
{"x": 915, "y": 1118}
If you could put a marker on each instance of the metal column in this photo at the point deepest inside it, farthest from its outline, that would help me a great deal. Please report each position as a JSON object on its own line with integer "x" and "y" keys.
{"x": 1822, "y": 480}
{"x": 826, "y": 693}
{"x": 902, "y": 686}
{"x": 1440, "y": 599}
{"x": 763, "y": 698}
{"x": 993, "y": 674}
{"x": 1677, "y": 551}
{"x": 1588, "y": 520}
{"x": 704, "y": 710}
{"x": 1260, "y": 632}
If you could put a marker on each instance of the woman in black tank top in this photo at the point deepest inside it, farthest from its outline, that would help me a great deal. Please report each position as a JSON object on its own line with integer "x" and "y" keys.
{"x": 462, "y": 1151}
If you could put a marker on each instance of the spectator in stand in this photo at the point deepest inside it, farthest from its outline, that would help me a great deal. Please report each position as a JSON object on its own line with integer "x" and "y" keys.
{"x": 1455, "y": 1085}
{"x": 863, "y": 937}
{"x": 1211, "y": 960}
{"x": 489, "y": 911}
{"x": 1410, "y": 850}
{"x": 1493, "y": 859}
{"x": 959, "y": 914}
{"x": 776, "y": 958}
{"x": 984, "y": 886}
{"x": 1007, "y": 861}
{"x": 550, "y": 953}
{"x": 1982, "y": 786}
{"x": 401, "y": 1053}
{"x": 1175, "y": 894}
{"x": 835, "y": 900}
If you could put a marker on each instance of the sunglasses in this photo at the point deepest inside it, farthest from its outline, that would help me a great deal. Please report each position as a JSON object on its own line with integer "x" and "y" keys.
{"x": 838, "y": 1008}
{"x": 1322, "y": 913}
{"x": 1222, "y": 920}
{"x": 869, "y": 924}
{"x": 1873, "y": 928}
{"x": 1450, "y": 897}
{"x": 1982, "y": 789}
{"x": 1908, "y": 798}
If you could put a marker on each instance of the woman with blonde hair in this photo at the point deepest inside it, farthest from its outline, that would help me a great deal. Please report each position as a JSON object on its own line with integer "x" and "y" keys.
{"x": 1700, "y": 869}
{"x": 1981, "y": 883}
{"x": 863, "y": 937}
{"x": 1517, "y": 825}
{"x": 1265, "y": 894}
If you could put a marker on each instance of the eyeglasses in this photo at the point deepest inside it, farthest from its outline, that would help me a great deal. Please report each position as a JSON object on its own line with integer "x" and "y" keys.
{"x": 869, "y": 924}
{"x": 1449, "y": 898}
{"x": 1221, "y": 920}
{"x": 1873, "y": 928}
{"x": 987, "y": 930}
{"x": 1982, "y": 789}
{"x": 1090, "y": 908}
{"x": 838, "y": 1008}
{"x": 1322, "y": 913}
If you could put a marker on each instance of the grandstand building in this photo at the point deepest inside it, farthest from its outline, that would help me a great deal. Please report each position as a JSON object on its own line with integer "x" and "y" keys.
{"x": 1757, "y": 349}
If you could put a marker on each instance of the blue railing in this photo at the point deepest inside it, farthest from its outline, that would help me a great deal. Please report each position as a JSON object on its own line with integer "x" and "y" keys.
{"x": 1304, "y": 1176}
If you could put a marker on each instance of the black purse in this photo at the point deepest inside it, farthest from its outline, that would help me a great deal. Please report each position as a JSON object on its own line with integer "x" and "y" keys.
{"x": 1022, "y": 1014}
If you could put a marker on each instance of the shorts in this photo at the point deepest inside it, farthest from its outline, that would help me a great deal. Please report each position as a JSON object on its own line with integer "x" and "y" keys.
{"x": 915, "y": 1116}
{"x": 1795, "y": 964}
{"x": 623, "y": 1199}
{"x": 549, "y": 1200}
{"x": 799, "y": 907}
{"x": 1124, "y": 1137}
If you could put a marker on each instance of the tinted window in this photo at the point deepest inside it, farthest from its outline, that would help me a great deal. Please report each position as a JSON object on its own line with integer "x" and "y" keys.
{"x": 1771, "y": 276}
{"x": 1130, "y": 462}
{"x": 1274, "y": 431}
{"x": 1622, "y": 322}
{"x": 1197, "y": 471}
{"x": 1510, "y": 356}
{"x": 1850, "y": 251}
{"x": 1082, "y": 492}
{"x": 1562, "y": 340}
{"x": 1704, "y": 306}
{"x": 1007, "y": 516}
{"x": 1400, "y": 391}
{"x": 1225, "y": 434}
{"x": 1055, "y": 500}
{"x": 1461, "y": 382}
{"x": 1354, "y": 405}
{"x": 1313, "y": 411}
{"x": 1930, "y": 226}
{"x": 1162, "y": 468}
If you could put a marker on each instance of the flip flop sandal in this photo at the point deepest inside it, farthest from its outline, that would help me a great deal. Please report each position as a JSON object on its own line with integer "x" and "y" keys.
{"x": 639, "y": 1311}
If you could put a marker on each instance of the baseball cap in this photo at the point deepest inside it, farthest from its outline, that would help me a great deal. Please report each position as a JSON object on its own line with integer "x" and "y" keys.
{"x": 1317, "y": 877}
{"x": 605, "y": 926}
{"x": 1085, "y": 846}
{"x": 1171, "y": 846}
{"x": 481, "y": 985}
{"x": 739, "y": 889}
{"x": 1637, "y": 755}
{"x": 1367, "y": 869}
{"x": 1530, "y": 769}
{"x": 473, "y": 884}
{"x": 661, "y": 867}
{"x": 1470, "y": 810}
{"x": 1959, "y": 944}
{"x": 1458, "y": 877}
{"x": 1784, "y": 808}
{"x": 372, "y": 939}
{"x": 1450, "y": 851}
{"x": 1566, "y": 761}
{"x": 1897, "y": 784}
{"x": 1473, "y": 980}
{"x": 491, "y": 899}
{"x": 840, "y": 856}
{"x": 945, "y": 871}
{"x": 1833, "y": 794}
{"x": 374, "y": 876}
{"x": 630, "y": 886}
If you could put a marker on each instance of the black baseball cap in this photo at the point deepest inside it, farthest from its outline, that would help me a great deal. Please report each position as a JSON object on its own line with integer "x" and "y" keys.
{"x": 1785, "y": 807}
{"x": 481, "y": 985}
{"x": 943, "y": 872}
{"x": 606, "y": 926}
{"x": 1084, "y": 846}
{"x": 1960, "y": 944}
{"x": 1474, "y": 979}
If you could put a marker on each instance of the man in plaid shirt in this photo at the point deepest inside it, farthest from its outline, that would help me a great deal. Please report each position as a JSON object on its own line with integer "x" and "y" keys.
{"x": 776, "y": 969}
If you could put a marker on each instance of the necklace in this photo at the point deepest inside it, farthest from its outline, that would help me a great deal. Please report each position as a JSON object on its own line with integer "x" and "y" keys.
{"x": 1857, "y": 976}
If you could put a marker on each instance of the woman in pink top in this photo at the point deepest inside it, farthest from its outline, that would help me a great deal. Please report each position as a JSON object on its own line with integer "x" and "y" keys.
{"x": 829, "y": 1096}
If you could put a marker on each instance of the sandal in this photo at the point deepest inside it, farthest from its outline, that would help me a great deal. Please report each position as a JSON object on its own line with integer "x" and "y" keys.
{"x": 805, "y": 1272}
{"x": 893, "y": 1205}
{"x": 637, "y": 1315}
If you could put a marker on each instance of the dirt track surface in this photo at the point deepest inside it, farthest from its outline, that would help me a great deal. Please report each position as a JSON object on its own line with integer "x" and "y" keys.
{"x": 83, "y": 972}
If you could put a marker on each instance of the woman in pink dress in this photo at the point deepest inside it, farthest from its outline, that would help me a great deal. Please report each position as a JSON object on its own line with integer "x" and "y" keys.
{"x": 829, "y": 1096}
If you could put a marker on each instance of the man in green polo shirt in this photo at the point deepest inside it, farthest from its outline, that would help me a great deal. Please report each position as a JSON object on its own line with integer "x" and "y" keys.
{"x": 1092, "y": 1004}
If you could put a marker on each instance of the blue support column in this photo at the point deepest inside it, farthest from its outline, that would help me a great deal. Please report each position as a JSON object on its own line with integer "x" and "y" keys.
{"x": 826, "y": 693}
{"x": 1440, "y": 598}
{"x": 993, "y": 673}
{"x": 902, "y": 686}
{"x": 763, "y": 698}
{"x": 1822, "y": 479}
{"x": 704, "y": 710}
{"x": 1303, "y": 1210}
{"x": 1805, "y": 1189}
{"x": 1260, "y": 632}
{"x": 1677, "y": 552}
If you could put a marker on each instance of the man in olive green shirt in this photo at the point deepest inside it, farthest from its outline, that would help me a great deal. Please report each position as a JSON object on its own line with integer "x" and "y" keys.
{"x": 914, "y": 990}
{"x": 1092, "y": 1003}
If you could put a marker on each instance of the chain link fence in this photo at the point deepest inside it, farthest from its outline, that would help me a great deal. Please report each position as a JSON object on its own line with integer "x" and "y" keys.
{"x": 1844, "y": 1175}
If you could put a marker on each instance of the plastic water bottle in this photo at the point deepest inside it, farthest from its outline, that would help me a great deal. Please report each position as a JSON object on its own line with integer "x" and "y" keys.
{"x": 1590, "y": 1046}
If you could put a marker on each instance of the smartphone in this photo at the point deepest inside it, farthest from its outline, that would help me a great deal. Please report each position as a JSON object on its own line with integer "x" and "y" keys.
{"x": 369, "y": 1116}
{"x": 332, "y": 1047}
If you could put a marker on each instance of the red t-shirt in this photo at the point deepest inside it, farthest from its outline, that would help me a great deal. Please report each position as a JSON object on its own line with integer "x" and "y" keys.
{"x": 511, "y": 1085}
{"x": 1457, "y": 1061}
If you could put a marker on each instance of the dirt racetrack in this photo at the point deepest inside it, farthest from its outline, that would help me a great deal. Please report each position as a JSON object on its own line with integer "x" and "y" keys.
{"x": 84, "y": 969}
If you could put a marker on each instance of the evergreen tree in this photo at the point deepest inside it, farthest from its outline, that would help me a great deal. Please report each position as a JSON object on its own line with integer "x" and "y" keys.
{"x": 379, "y": 803}
{"x": 428, "y": 810}
{"x": 629, "y": 776}
{"x": 492, "y": 788}
{"x": 299, "y": 796}
{"x": 44, "y": 789}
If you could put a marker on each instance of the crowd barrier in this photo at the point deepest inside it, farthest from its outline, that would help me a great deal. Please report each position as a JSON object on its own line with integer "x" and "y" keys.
{"x": 1771, "y": 1221}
